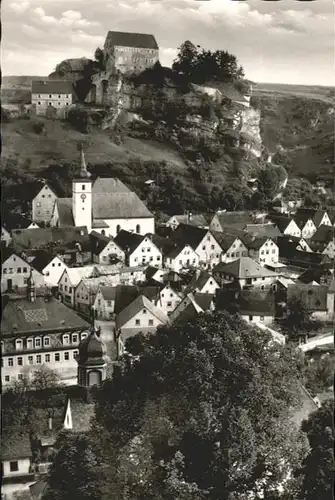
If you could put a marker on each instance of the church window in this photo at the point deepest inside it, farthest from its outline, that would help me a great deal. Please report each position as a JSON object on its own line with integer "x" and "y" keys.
{"x": 138, "y": 228}
{"x": 83, "y": 187}
{"x": 39, "y": 102}
{"x": 49, "y": 95}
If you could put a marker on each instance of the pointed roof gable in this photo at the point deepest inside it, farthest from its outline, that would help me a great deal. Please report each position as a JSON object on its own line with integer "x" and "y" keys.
{"x": 135, "y": 307}
{"x": 128, "y": 241}
{"x": 189, "y": 235}
{"x": 42, "y": 259}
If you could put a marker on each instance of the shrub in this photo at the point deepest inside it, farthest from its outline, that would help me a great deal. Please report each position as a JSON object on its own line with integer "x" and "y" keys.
{"x": 38, "y": 127}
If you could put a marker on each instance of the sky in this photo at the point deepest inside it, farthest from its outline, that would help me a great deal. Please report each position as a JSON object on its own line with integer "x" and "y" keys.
{"x": 286, "y": 41}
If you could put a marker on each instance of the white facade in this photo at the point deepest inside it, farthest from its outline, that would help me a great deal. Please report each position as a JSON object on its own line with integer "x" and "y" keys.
{"x": 252, "y": 318}
{"x": 104, "y": 308}
{"x": 293, "y": 229}
{"x": 268, "y": 253}
{"x": 139, "y": 225}
{"x": 143, "y": 320}
{"x": 185, "y": 259}
{"x": 43, "y": 101}
{"x": 82, "y": 203}
{"x": 209, "y": 251}
{"x": 309, "y": 229}
{"x": 209, "y": 287}
{"x": 22, "y": 465}
{"x": 168, "y": 300}
{"x": 24, "y": 361}
{"x": 145, "y": 254}
{"x": 330, "y": 250}
{"x": 15, "y": 273}
{"x": 110, "y": 249}
{"x": 43, "y": 205}
{"x": 70, "y": 280}
{"x": 325, "y": 221}
{"x": 237, "y": 250}
{"x": 53, "y": 271}
{"x": 5, "y": 236}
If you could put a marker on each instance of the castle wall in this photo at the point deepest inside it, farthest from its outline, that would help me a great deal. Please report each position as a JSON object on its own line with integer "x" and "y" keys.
{"x": 129, "y": 59}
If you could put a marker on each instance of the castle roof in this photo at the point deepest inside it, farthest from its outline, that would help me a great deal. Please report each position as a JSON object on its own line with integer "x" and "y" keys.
{"x": 126, "y": 39}
{"x": 51, "y": 87}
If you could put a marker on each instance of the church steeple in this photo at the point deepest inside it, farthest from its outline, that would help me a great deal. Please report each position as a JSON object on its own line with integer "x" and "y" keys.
{"x": 31, "y": 288}
{"x": 82, "y": 196}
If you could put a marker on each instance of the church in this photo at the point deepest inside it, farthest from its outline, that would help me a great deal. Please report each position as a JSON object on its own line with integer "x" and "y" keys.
{"x": 105, "y": 205}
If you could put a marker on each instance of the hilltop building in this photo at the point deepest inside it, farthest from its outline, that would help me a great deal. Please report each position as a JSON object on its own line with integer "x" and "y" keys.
{"x": 105, "y": 205}
{"x": 129, "y": 52}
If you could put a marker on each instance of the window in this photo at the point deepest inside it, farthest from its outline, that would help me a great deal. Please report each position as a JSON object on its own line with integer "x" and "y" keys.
{"x": 262, "y": 287}
{"x": 204, "y": 247}
{"x": 49, "y": 95}
{"x": 261, "y": 318}
{"x": 47, "y": 358}
{"x": 274, "y": 251}
{"x": 7, "y": 379}
{"x": 19, "y": 270}
{"x": 38, "y": 359}
{"x": 46, "y": 341}
{"x": 20, "y": 361}
{"x": 10, "y": 362}
{"x": 83, "y": 187}
{"x": 169, "y": 304}
{"x": 37, "y": 343}
{"x": 14, "y": 466}
{"x": 30, "y": 360}
{"x": 212, "y": 247}
{"x": 18, "y": 344}
{"x": 158, "y": 257}
{"x": 74, "y": 338}
{"x": 75, "y": 354}
{"x": 151, "y": 322}
{"x": 66, "y": 356}
{"x": 57, "y": 356}
{"x": 66, "y": 338}
{"x": 25, "y": 270}
{"x": 4, "y": 270}
{"x": 83, "y": 335}
{"x": 138, "y": 229}
{"x": 137, "y": 322}
{"x": 250, "y": 318}
{"x": 25, "y": 281}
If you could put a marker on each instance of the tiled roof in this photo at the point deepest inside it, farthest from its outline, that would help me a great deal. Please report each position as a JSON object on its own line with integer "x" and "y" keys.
{"x": 225, "y": 240}
{"x": 257, "y": 303}
{"x": 118, "y": 206}
{"x": 313, "y": 297}
{"x": 65, "y": 215}
{"x": 315, "y": 215}
{"x": 23, "y": 192}
{"x": 109, "y": 185}
{"x": 108, "y": 292}
{"x": 57, "y": 237}
{"x": 150, "y": 292}
{"x": 301, "y": 219}
{"x": 15, "y": 446}
{"x": 281, "y": 221}
{"x": 255, "y": 243}
{"x": 189, "y": 235}
{"x": 125, "y": 295}
{"x": 128, "y": 39}
{"x": 99, "y": 223}
{"x": 320, "y": 275}
{"x": 137, "y": 305}
{"x": 99, "y": 242}
{"x": 51, "y": 87}
{"x": 237, "y": 219}
{"x": 199, "y": 281}
{"x": 128, "y": 241}
{"x": 323, "y": 234}
{"x": 204, "y": 300}
{"x": 197, "y": 220}
{"x": 26, "y": 316}
{"x": 268, "y": 230}
{"x": 244, "y": 268}
{"x": 42, "y": 259}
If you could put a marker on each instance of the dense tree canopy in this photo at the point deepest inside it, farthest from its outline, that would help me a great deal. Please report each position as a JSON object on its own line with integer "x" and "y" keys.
{"x": 318, "y": 467}
{"x": 200, "y": 65}
{"x": 203, "y": 413}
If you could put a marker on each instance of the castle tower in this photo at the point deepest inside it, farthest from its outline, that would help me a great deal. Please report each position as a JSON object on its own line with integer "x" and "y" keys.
{"x": 31, "y": 288}
{"x": 92, "y": 362}
{"x": 82, "y": 196}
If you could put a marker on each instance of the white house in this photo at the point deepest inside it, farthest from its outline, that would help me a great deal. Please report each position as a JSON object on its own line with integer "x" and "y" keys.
{"x": 69, "y": 281}
{"x": 246, "y": 272}
{"x": 15, "y": 272}
{"x": 138, "y": 249}
{"x": 51, "y": 267}
{"x": 264, "y": 250}
{"x": 202, "y": 241}
{"x": 203, "y": 282}
{"x": 191, "y": 305}
{"x": 43, "y": 203}
{"x": 286, "y": 225}
{"x": 168, "y": 299}
{"x": 104, "y": 302}
{"x": 105, "y": 205}
{"x": 306, "y": 225}
{"x": 16, "y": 460}
{"x": 318, "y": 216}
{"x": 181, "y": 256}
{"x": 141, "y": 315}
{"x": 197, "y": 220}
{"x": 48, "y": 94}
{"x": 105, "y": 250}
{"x": 232, "y": 246}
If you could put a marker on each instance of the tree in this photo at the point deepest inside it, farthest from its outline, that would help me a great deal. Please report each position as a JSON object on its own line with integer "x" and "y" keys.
{"x": 99, "y": 57}
{"x": 318, "y": 374}
{"x": 204, "y": 412}
{"x": 186, "y": 59}
{"x": 297, "y": 319}
{"x": 268, "y": 182}
{"x": 317, "y": 471}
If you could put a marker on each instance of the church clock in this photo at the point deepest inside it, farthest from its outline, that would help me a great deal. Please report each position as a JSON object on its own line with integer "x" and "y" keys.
{"x": 83, "y": 196}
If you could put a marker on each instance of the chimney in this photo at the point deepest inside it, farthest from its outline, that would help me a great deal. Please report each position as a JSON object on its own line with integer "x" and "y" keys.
{"x": 50, "y": 423}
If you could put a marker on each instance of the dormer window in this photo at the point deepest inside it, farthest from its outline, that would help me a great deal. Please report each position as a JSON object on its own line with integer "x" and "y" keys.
{"x": 75, "y": 338}
{"x": 38, "y": 343}
{"x": 18, "y": 344}
{"x": 29, "y": 343}
{"x": 66, "y": 339}
{"x": 46, "y": 341}
{"x": 83, "y": 335}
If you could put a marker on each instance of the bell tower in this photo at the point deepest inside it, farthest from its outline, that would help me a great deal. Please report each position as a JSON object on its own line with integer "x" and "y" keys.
{"x": 82, "y": 196}
{"x": 92, "y": 361}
